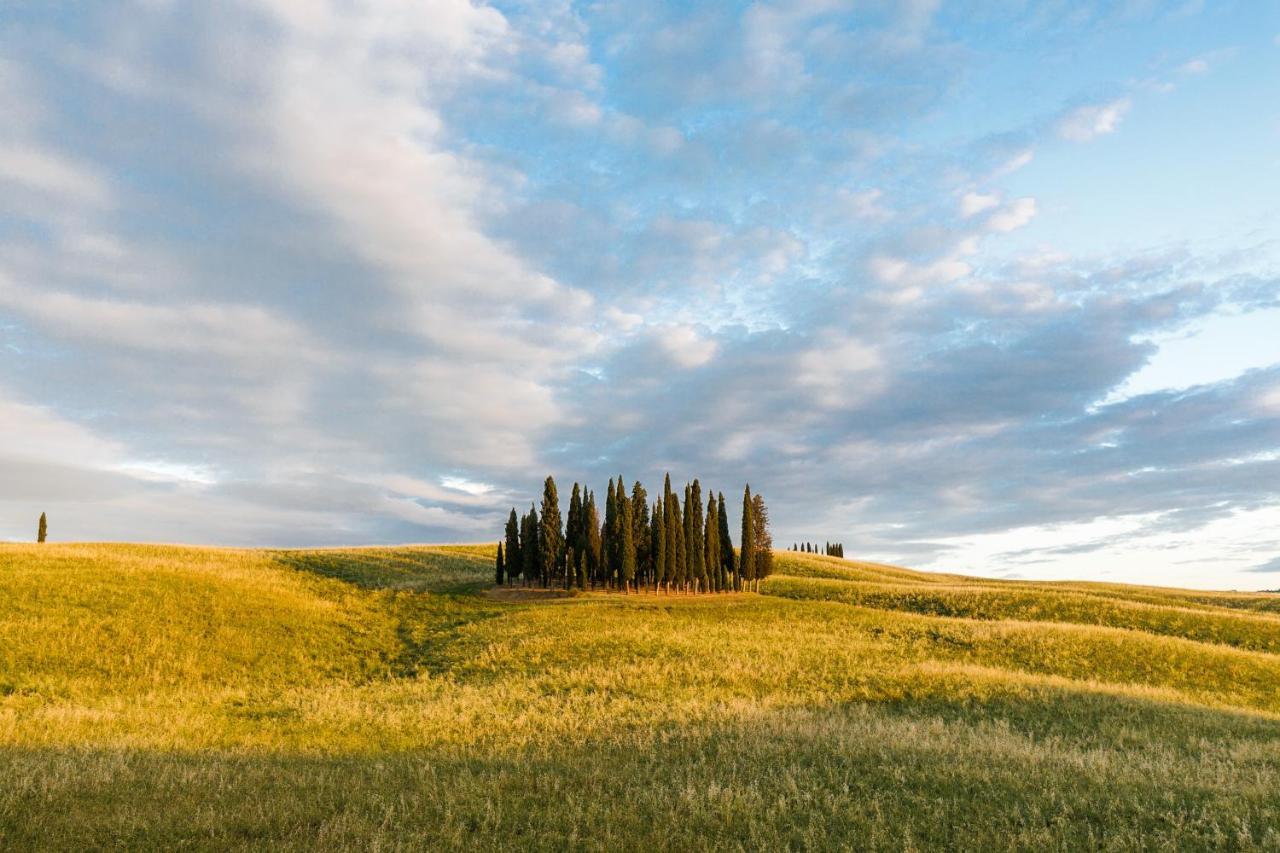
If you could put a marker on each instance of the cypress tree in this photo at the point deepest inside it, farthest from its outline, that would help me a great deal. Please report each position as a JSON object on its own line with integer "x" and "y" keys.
{"x": 659, "y": 544}
{"x": 763, "y": 539}
{"x": 594, "y": 545}
{"x": 747, "y": 557}
{"x": 42, "y": 530}
{"x": 726, "y": 546}
{"x": 640, "y": 531}
{"x": 711, "y": 551}
{"x": 626, "y": 540}
{"x": 515, "y": 564}
{"x": 609, "y": 548}
{"x": 529, "y": 553}
{"x": 669, "y": 570}
{"x": 500, "y": 569}
{"x": 551, "y": 536}
{"x": 697, "y": 544}
{"x": 675, "y": 544}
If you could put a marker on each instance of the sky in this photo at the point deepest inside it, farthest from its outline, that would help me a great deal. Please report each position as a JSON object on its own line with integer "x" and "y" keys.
{"x": 990, "y": 287}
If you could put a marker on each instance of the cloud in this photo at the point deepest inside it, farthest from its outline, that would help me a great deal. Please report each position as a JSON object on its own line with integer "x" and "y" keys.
{"x": 1012, "y": 216}
{"x": 971, "y": 203}
{"x": 1085, "y": 123}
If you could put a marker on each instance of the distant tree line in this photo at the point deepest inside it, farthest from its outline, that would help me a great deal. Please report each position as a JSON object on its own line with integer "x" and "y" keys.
{"x": 670, "y": 544}
{"x": 832, "y": 549}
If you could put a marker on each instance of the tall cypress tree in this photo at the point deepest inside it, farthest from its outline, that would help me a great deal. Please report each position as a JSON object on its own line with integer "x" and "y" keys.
{"x": 609, "y": 547}
{"x": 747, "y": 555}
{"x": 659, "y": 544}
{"x": 640, "y": 531}
{"x": 42, "y": 529}
{"x": 530, "y": 547}
{"x": 668, "y": 499}
{"x": 594, "y": 545}
{"x": 551, "y": 536}
{"x": 675, "y": 543}
{"x": 626, "y": 540}
{"x": 697, "y": 545}
{"x": 515, "y": 563}
{"x": 500, "y": 568}
{"x": 763, "y": 539}
{"x": 711, "y": 540}
{"x": 726, "y": 546}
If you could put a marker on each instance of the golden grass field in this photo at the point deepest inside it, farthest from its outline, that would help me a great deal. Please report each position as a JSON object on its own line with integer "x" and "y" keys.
{"x": 384, "y": 698}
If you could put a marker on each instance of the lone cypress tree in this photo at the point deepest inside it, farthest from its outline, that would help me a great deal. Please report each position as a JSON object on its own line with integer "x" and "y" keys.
{"x": 763, "y": 539}
{"x": 747, "y": 558}
{"x": 42, "y": 532}
{"x": 515, "y": 563}
{"x": 551, "y": 536}
{"x": 726, "y": 547}
{"x": 659, "y": 544}
{"x": 500, "y": 568}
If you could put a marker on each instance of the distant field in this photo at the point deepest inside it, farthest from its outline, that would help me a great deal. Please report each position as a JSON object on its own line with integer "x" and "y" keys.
{"x": 383, "y": 698}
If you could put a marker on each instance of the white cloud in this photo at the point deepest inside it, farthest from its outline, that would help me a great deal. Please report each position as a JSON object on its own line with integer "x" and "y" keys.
{"x": 1195, "y": 66}
{"x": 1088, "y": 122}
{"x": 1012, "y": 216}
{"x": 971, "y": 204}
{"x": 46, "y": 171}
{"x": 841, "y": 370}
{"x": 864, "y": 204}
{"x": 686, "y": 346}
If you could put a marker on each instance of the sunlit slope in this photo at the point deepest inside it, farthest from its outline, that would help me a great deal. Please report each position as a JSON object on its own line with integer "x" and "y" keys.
{"x": 152, "y": 695}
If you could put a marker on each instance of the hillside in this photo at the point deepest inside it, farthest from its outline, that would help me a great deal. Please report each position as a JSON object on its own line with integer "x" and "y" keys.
{"x": 152, "y": 696}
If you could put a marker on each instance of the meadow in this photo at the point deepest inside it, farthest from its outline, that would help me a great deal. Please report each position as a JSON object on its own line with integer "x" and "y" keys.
{"x": 387, "y": 698}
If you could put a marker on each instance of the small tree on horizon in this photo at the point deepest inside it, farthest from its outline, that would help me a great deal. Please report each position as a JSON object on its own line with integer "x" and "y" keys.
{"x": 42, "y": 531}
{"x": 499, "y": 567}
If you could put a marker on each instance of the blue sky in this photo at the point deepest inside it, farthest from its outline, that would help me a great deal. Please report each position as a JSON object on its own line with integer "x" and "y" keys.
{"x": 990, "y": 287}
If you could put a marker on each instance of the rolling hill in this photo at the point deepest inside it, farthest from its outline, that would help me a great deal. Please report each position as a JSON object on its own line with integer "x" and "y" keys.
{"x": 161, "y": 696}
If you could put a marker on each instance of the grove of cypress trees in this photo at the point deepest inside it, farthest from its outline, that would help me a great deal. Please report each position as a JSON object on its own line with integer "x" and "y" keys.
{"x": 500, "y": 568}
{"x": 659, "y": 550}
{"x": 515, "y": 564}
{"x": 747, "y": 557}
{"x": 551, "y": 536}
{"x": 42, "y": 530}
{"x": 727, "y": 573}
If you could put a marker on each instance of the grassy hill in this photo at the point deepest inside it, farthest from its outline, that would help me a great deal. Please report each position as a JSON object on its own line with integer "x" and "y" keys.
{"x": 155, "y": 696}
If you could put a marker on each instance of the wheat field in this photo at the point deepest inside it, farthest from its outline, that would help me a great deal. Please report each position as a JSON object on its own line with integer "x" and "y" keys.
{"x": 154, "y": 697}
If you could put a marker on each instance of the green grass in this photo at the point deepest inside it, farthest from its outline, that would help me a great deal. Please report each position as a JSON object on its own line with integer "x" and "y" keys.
{"x": 154, "y": 697}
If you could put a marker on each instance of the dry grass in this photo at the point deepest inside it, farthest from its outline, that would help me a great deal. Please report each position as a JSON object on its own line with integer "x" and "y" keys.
{"x": 159, "y": 696}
